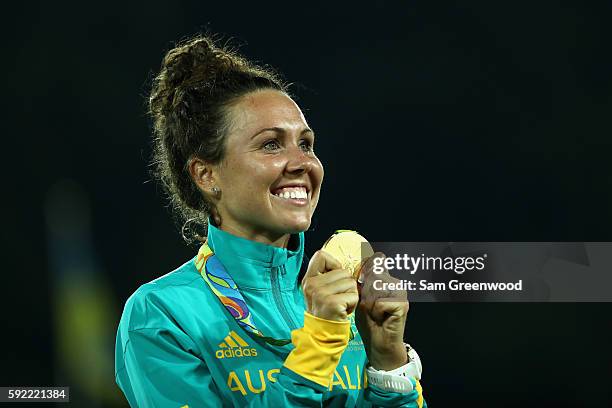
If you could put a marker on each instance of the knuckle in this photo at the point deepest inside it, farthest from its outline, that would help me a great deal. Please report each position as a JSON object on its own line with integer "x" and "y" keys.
{"x": 307, "y": 288}
{"x": 326, "y": 303}
{"x": 314, "y": 295}
{"x": 352, "y": 283}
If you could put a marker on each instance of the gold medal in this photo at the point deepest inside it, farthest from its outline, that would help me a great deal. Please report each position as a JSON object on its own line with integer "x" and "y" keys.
{"x": 350, "y": 248}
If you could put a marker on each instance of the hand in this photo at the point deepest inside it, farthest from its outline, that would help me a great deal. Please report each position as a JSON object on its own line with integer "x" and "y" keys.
{"x": 330, "y": 292}
{"x": 381, "y": 318}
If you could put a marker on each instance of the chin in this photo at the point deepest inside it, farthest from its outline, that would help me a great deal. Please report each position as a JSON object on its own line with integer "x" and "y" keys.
{"x": 295, "y": 226}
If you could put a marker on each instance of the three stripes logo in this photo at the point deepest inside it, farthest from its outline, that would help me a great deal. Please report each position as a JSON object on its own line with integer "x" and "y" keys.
{"x": 234, "y": 346}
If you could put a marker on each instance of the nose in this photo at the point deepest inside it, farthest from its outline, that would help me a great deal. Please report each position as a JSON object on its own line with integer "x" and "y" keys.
{"x": 298, "y": 161}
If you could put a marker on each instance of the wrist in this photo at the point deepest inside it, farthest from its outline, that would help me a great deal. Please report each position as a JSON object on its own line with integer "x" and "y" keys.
{"x": 329, "y": 313}
{"x": 389, "y": 358}
{"x": 403, "y": 379}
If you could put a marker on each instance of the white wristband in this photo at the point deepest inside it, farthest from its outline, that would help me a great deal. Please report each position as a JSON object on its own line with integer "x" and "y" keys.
{"x": 398, "y": 380}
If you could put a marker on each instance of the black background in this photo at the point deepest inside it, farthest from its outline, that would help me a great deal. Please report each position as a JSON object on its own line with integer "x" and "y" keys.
{"x": 473, "y": 121}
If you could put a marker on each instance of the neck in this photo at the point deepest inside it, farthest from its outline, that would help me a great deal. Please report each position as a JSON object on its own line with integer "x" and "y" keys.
{"x": 263, "y": 237}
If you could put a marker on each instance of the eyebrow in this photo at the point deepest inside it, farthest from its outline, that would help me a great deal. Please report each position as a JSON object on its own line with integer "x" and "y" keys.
{"x": 281, "y": 130}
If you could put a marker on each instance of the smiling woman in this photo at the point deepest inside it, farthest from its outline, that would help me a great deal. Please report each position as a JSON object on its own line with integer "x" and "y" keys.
{"x": 269, "y": 140}
{"x": 233, "y": 326}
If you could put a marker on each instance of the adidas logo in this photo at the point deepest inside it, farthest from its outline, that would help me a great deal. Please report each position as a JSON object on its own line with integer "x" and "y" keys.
{"x": 234, "y": 346}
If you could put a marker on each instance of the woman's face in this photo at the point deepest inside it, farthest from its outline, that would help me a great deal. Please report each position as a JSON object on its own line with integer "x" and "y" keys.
{"x": 270, "y": 178}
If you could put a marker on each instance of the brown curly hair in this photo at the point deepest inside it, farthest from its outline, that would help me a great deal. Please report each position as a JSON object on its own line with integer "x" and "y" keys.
{"x": 188, "y": 104}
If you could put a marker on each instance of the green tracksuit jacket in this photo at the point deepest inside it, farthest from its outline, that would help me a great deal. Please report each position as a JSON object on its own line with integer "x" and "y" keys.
{"x": 177, "y": 345}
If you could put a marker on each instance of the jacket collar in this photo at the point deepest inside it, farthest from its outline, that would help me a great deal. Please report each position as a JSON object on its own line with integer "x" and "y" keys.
{"x": 250, "y": 263}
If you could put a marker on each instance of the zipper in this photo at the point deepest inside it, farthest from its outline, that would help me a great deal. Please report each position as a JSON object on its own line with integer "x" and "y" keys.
{"x": 276, "y": 292}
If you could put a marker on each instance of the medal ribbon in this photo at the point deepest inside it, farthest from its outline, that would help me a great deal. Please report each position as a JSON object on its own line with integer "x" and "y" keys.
{"x": 226, "y": 290}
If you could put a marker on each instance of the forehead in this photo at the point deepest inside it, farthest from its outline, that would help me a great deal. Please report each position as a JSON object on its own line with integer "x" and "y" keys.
{"x": 265, "y": 109}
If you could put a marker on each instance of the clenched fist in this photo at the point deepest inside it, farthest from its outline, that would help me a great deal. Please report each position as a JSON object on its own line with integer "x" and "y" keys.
{"x": 381, "y": 318}
{"x": 330, "y": 291}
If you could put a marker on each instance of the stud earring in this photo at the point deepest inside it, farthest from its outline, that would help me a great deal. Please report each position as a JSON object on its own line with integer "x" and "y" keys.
{"x": 215, "y": 190}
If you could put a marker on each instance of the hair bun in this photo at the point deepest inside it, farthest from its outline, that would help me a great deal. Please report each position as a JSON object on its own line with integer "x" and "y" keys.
{"x": 192, "y": 62}
{"x": 194, "y": 70}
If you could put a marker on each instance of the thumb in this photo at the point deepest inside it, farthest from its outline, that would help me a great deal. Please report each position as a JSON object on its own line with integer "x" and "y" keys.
{"x": 320, "y": 263}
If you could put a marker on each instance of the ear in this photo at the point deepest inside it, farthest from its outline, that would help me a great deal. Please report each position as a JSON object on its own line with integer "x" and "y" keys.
{"x": 203, "y": 174}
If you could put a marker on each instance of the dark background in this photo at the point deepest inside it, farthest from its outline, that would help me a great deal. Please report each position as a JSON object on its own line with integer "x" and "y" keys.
{"x": 477, "y": 121}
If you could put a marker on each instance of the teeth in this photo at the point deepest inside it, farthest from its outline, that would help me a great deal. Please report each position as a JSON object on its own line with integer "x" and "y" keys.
{"x": 293, "y": 192}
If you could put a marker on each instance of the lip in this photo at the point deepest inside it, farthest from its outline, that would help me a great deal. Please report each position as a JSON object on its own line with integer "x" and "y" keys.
{"x": 298, "y": 202}
{"x": 306, "y": 186}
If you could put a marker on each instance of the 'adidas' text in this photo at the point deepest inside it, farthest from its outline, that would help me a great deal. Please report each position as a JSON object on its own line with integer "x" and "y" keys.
{"x": 234, "y": 346}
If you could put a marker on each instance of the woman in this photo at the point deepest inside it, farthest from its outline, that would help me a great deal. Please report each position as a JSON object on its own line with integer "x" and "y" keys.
{"x": 233, "y": 326}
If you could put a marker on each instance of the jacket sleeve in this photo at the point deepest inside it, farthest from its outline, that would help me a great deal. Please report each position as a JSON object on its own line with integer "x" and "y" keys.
{"x": 161, "y": 367}
{"x": 381, "y": 398}
{"x": 160, "y": 370}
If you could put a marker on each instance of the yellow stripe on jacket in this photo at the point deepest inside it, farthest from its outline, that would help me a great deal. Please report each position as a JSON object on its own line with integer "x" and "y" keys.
{"x": 318, "y": 348}
{"x": 419, "y": 389}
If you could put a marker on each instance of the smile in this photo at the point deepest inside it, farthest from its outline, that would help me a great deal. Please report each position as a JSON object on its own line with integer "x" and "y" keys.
{"x": 292, "y": 195}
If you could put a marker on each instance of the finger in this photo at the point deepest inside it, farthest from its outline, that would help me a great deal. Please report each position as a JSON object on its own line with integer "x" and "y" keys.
{"x": 384, "y": 308}
{"x": 332, "y": 276}
{"x": 321, "y": 262}
{"x": 347, "y": 285}
{"x": 374, "y": 265}
{"x": 314, "y": 285}
{"x": 385, "y": 295}
{"x": 347, "y": 300}
{"x": 369, "y": 274}
{"x": 371, "y": 291}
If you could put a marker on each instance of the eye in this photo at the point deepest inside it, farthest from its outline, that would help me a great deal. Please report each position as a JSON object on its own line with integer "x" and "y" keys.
{"x": 271, "y": 145}
{"x": 306, "y": 145}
